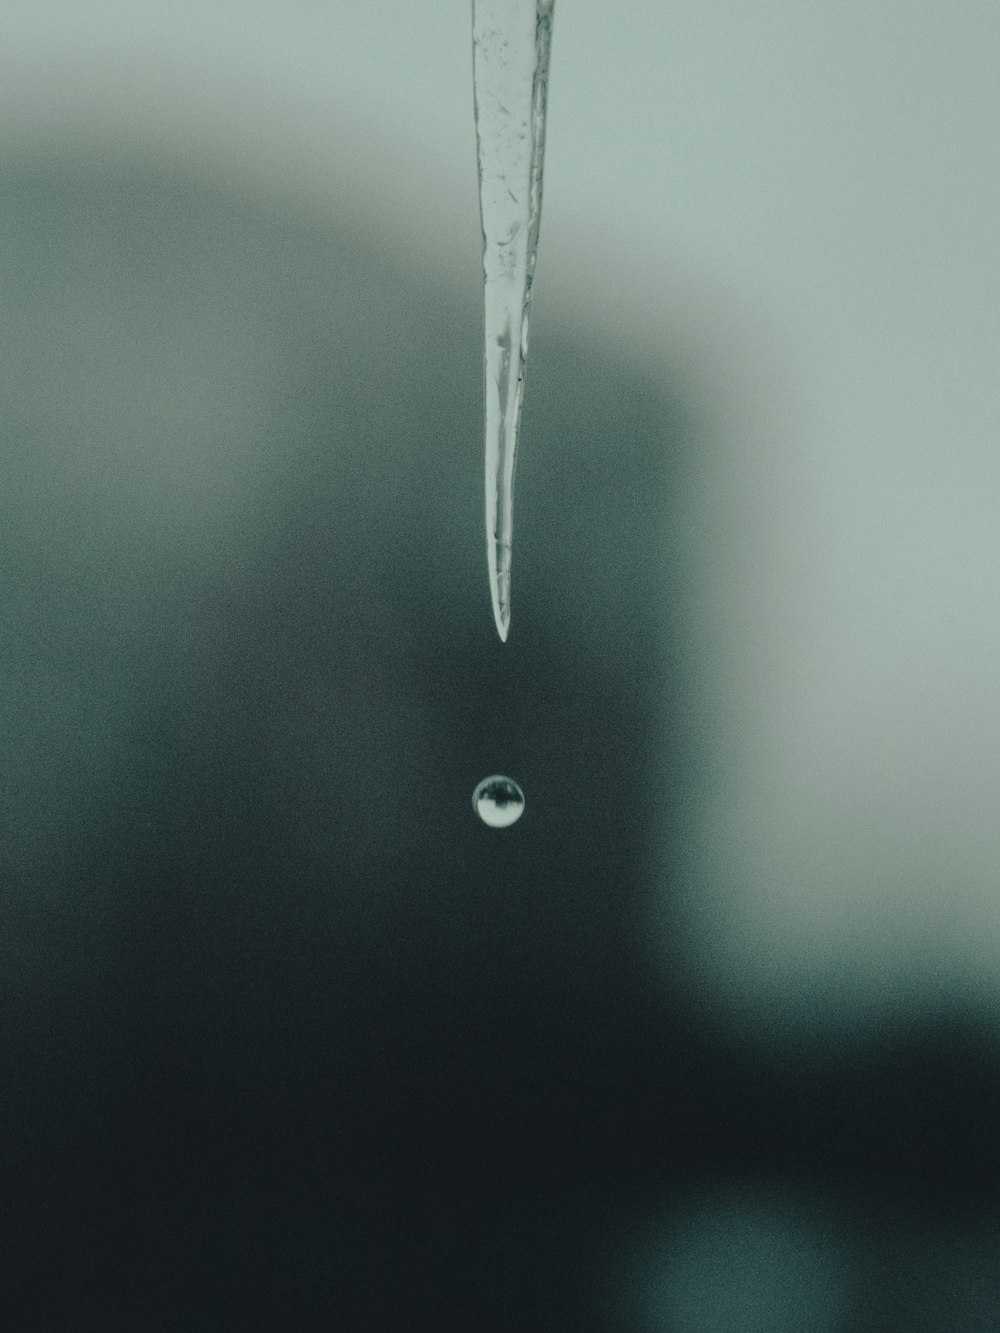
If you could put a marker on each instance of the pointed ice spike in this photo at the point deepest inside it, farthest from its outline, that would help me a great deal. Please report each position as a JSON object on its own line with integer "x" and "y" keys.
{"x": 510, "y": 50}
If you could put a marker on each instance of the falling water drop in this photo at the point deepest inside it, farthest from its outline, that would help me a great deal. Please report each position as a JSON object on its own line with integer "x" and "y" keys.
{"x": 498, "y": 801}
{"x": 510, "y": 59}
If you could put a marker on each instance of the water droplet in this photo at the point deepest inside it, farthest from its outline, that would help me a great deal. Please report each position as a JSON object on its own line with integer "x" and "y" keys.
{"x": 498, "y": 801}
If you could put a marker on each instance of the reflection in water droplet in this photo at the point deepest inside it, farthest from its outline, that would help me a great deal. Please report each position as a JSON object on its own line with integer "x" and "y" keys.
{"x": 498, "y": 801}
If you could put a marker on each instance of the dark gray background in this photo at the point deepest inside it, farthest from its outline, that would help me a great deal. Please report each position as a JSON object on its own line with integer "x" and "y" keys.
{"x": 289, "y": 1039}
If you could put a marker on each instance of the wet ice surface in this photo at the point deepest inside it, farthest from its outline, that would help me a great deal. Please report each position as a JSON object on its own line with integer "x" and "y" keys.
{"x": 510, "y": 68}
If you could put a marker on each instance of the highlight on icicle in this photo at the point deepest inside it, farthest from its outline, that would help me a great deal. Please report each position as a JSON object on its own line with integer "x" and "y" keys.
{"x": 510, "y": 61}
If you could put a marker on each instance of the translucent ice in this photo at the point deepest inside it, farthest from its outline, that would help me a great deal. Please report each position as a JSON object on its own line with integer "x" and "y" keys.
{"x": 510, "y": 58}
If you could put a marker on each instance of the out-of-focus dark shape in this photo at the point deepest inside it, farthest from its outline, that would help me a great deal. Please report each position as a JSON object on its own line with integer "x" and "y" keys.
{"x": 289, "y": 1039}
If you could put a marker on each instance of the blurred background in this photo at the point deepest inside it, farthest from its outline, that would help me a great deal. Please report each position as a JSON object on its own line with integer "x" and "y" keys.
{"x": 709, "y": 1039}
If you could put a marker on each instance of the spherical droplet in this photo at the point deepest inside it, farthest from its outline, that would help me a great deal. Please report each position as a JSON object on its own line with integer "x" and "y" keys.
{"x": 498, "y": 801}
